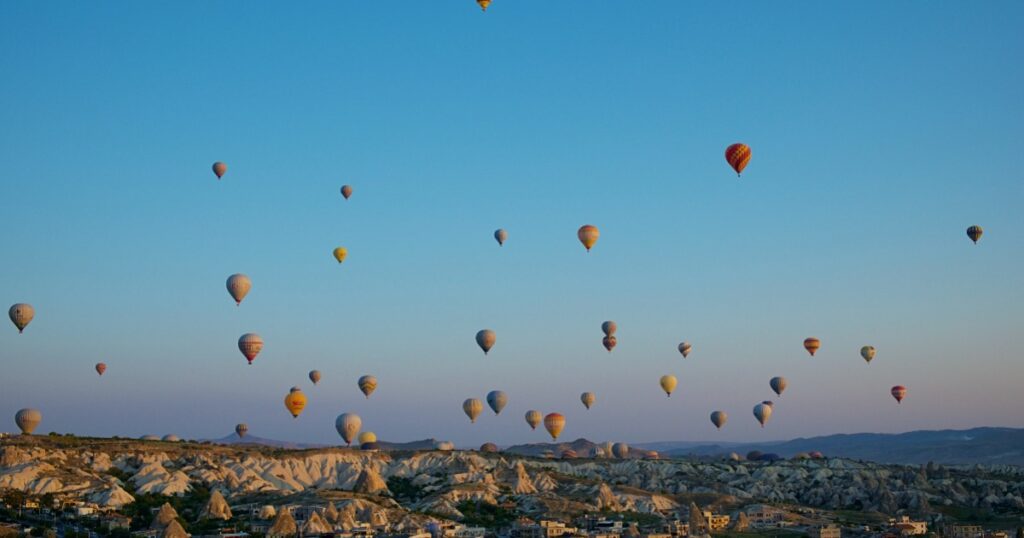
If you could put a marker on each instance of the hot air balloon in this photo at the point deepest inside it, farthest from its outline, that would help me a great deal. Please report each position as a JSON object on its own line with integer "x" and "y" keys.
{"x": 868, "y": 352}
{"x": 295, "y": 402}
{"x": 588, "y": 399}
{"x": 975, "y": 232}
{"x": 568, "y": 454}
{"x": 483, "y": 4}
{"x": 778, "y": 384}
{"x": 367, "y": 437}
{"x": 609, "y": 343}
{"x": 811, "y": 345}
{"x": 348, "y": 425}
{"x": 899, "y": 392}
{"x": 27, "y": 420}
{"x": 367, "y": 384}
{"x": 340, "y": 254}
{"x": 170, "y": 438}
{"x": 553, "y": 423}
{"x": 738, "y": 155}
{"x": 684, "y": 349}
{"x": 239, "y": 286}
{"x": 762, "y": 413}
{"x": 620, "y": 450}
{"x": 609, "y": 328}
{"x": 100, "y": 368}
{"x": 250, "y": 344}
{"x": 21, "y": 314}
{"x": 668, "y": 384}
{"x": 719, "y": 418}
{"x": 588, "y": 235}
{"x": 497, "y": 399}
{"x": 489, "y": 448}
{"x": 346, "y": 191}
{"x": 534, "y": 418}
{"x": 241, "y": 430}
{"x": 485, "y": 339}
{"x": 607, "y": 447}
{"x": 369, "y": 447}
{"x": 500, "y": 236}
{"x": 220, "y": 169}
{"x": 472, "y": 407}
{"x": 769, "y": 403}
{"x": 314, "y": 376}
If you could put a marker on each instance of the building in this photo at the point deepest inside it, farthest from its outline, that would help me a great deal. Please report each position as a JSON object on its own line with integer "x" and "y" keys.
{"x": 545, "y": 529}
{"x": 600, "y": 525}
{"x": 963, "y": 531}
{"x": 116, "y": 521}
{"x": 907, "y": 527}
{"x": 762, "y": 515}
{"x": 676, "y": 528}
{"x": 463, "y": 531}
{"x": 716, "y": 523}
{"x": 824, "y": 531}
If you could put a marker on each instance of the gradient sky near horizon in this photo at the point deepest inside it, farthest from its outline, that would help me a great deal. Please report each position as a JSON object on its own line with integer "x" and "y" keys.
{"x": 880, "y": 132}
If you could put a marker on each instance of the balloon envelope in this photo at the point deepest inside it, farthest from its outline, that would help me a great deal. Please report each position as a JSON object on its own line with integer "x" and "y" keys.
{"x": 367, "y": 384}
{"x": 238, "y": 286}
{"x": 868, "y": 352}
{"x": 609, "y": 328}
{"x": 348, "y": 426}
{"x": 220, "y": 169}
{"x": 485, "y": 339}
{"x": 534, "y": 418}
{"x": 340, "y": 254}
{"x": 588, "y": 399}
{"x": 975, "y": 232}
{"x": 472, "y": 408}
{"x": 250, "y": 344}
{"x": 588, "y": 235}
{"x": 554, "y": 423}
{"x": 620, "y": 450}
{"x": 778, "y": 384}
{"x": 609, "y": 343}
{"x": 738, "y": 155}
{"x": 100, "y": 368}
{"x": 899, "y": 392}
{"x": 719, "y": 418}
{"x": 241, "y": 429}
{"x": 21, "y": 315}
{"x": 367, "y": 437}
{"x": 295, "y": 402}
{"x": 812, "y": 345}
{"x": 483, "y": 4}
{"x": 346, "y": 191}
{"x": 500, "y": 236}
{"x": 27, "y": 420}
{"x": 497, "y": 400}
{"x": 762, "y": 413}
{"x": 668, "y": 384}
{"x": 684, "y": 349}
{"x": 314, "y": 376}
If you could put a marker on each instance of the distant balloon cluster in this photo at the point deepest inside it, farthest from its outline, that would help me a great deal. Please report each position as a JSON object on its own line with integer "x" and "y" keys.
{"x": 348, "y": 425}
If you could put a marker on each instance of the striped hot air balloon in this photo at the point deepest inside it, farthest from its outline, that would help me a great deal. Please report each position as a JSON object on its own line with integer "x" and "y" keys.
{"x": 554, "y": 423}
{"x": 738, "y": 155}
{"x": 975, "y": 232}
{"x": 811, "y": 345}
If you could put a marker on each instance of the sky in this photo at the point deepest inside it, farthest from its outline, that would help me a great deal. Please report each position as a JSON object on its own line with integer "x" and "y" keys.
{"x": 880, "y": 131}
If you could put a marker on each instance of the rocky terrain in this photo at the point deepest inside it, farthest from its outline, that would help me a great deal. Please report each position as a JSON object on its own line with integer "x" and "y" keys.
{"x": 393, "y": 485}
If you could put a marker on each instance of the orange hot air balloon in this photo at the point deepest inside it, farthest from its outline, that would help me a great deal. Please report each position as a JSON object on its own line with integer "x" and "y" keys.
{"x": 588, "y": 235}
{"x": 295, "y": 402}
{"x": 483, "y": 4}
{"x": 346, "y": 191}
{"x": 899, "y": 392}
{"x": 554, "y": 423}
{"x": 220, "y": 169}
{"x": 610, "y": 342}
{"x": 738, "y": 155}
{"x": 811, "y": 345}
{"x": 100, "y": 368}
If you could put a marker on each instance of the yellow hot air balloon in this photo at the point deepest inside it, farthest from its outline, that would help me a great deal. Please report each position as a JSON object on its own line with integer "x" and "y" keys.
{"x": 239, "y": 286}
{"x": 367, "y": 384}
{"x": 472, "y": 407}
{"x": 367, "y": 437}
{"x": 483, "y": 4}
{"x": 340, "y": 254}
{"x": 868, "y": 352}
{"x": 588, "y": 399}
{"x": 668, "y": 384}
{"x": 21, "y": 315}
{"x": 554, "y": 423}
{"x": 534, "y": 418}
{"x": 812, "y": 345}
{"x": 588, "y": 234}
{"x": 295, "y": 402}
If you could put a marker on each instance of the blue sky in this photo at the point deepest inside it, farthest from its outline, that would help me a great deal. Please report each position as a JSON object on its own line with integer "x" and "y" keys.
{"x": 879, "y": 132}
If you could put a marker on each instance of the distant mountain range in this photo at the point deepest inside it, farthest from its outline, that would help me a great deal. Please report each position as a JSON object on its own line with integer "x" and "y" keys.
{"x": 989, "y": 446}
